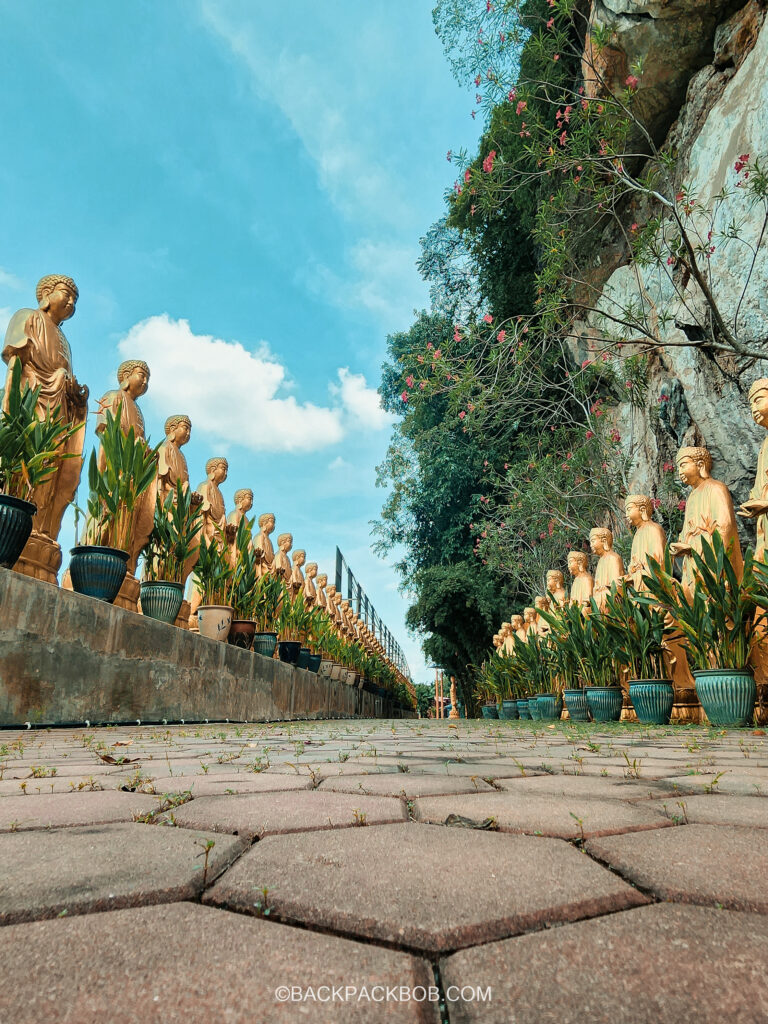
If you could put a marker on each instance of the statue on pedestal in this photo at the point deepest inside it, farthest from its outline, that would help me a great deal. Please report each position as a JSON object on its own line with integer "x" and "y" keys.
{"x": 263, "y": 545}
{"x": 531, "y": 620}
{"x": 507, "y": 638}
{"x": 541, "y": 603}
{"x": 310, "y": 590}
{"x": 708, "y": 510}
{"x": 322, "y": 583}
{"x": 330, "y": 599}
{"x": 556, "y": 587}
{"x": 34, "y": 338}
{"x": 133, "y": 378}
{"x": 518, "y": 627}
{"x": 583, "y": 584}
{"x": 454, "y": 712}
{"x": 649, "y": 541}
{"x": 214, "y": 526}
{"x": 243, "y": 505}
{"x": 171, "y": 463}
{"x": 296, "y": 584}
{"x": 282, "y": 564}
{"x": 610, "y": 565}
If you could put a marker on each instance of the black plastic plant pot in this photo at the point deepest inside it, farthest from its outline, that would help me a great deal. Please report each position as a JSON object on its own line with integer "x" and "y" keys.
{"x": 288, "y": 651}
{"x": 16, "y": 517}
{"x": 303, "y": 659}
{"x": 97, "y": 571}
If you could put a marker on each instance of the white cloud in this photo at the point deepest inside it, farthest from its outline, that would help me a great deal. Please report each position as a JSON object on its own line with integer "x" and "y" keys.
{"x": 232, "y": 395}
{"x": 9, "y": 280}
{"x": 338, "y": 465}
{"x": 362, "y": 403}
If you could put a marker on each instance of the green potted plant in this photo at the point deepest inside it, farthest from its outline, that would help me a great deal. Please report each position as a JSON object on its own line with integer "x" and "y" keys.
{"x": 638, "y": 630}
{"x": 269, "y": 596}
{"x": 569, "y": 640}
{"x": 537, "y": 667}
{"x": 721, "y": 622}
{"x": 244, "y": 589}
{"x": 98, "y": 566}
{"x": 173, "y": 542}
{"x": 29, "y": 450}
{"x": 292, "y": 625}
{"x": 214, "y": 573}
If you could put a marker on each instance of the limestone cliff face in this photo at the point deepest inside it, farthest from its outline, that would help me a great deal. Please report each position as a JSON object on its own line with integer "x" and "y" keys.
{"x": 705, "y": 88}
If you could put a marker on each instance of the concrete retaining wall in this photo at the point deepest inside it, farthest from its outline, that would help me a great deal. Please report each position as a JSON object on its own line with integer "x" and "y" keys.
{"x": 65, "y": 659}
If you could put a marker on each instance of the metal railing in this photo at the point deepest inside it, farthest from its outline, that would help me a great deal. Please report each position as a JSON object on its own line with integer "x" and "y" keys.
{"x": 361, "y": 604}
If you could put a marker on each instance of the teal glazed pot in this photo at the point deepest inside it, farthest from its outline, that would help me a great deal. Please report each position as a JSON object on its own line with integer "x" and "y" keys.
{"x": 550, "y": 707}
{"x": 265, "y": 644}
{"x": 313, "y": 662}
{"x": 490, "y": 711}
{"x": 522, "y": 710}
{"x": 15, "y": 527}
{"x": 533, "y": 708}
{"x": 727, "y": 695}
{"x": 98, "y": 571}
{"x": 161, "y": 600}
{"x": 652, "y": 700}
{"x": 508, "y": 709}
{"x": 576, "y": 704}
{"x": 605, "y": 702}
{"x": 289, "y": 651}
{"x": 303, "y": 659}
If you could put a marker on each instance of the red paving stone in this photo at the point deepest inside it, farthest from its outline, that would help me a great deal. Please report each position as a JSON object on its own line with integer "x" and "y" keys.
{"x": 715, "y": 809}
{"x": 582, "y": 786}
{"x": 262, "y": 814}
{"x": 566, "y": 817}
{"x": 706, "y": 864}
{"x": 243, "y": 782}
{"x": 660, "y": 964}
{"x": 101, "y": 867}
{"x": 187, "y": 964}
{"x": 381, "y": 883}
{"x": 405, "y": 784}
{"x": 54, "y": 810}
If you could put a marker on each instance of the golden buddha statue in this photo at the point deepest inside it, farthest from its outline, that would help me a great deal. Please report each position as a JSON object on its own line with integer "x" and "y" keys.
{"x": 243, "y": 505}
{"x": 310, "y": 590}
{"x": 330, "y": 599}
{"x": 583, "y": 583}
{"x": 337, "y": 616}
{"x": 34, "y": 338}
{"x": 322, "y": 583}
{"x": 507, "y": 640}
{"x": 649, "y": 540}
{"x": 497, "y": 641}
{"x": 171, "y": 463}
{"x": 756, "y": 507}
{"x": 263, "y": 545}
{"x": 556, "y": 587}
{"x": 296, "y": 583}
{"x": 214, "y": 526}
{"x": 454, "y": 712}
{"x": 133, "y": 378}
{"x": 282, "y": 564}
{"x": 542, "y": 603}
{"x": 531, "y": 621}
{"x": 518, "y": 627}
{"x": 708, "y": 510}
{"x": 610, "y": 565}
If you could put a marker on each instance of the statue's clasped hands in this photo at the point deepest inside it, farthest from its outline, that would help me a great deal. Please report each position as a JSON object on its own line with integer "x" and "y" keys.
{"x": 753, "y": 508}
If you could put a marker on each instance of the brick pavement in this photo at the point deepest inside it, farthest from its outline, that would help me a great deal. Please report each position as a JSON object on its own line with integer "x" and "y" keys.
{"x": 572, "y": 872}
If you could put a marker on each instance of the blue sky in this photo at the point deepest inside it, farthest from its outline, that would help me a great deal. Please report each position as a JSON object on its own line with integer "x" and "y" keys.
{"x": 238, "y": 188}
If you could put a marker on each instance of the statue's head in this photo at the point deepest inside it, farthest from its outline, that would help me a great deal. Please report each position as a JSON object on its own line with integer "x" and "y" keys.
{"x": 600, "y": 540}
{"x": 178, "y": 429}
{"x": 331, "y": 589}
{"x": 638, "y": 508}
{"x": 541, "y": 603}
{"x": 517, "y": 622}
{"x": 311, "y": 570}
{"x": 529, "y": 615}
{"x": 267, "y": 522}
{"x": 299, "y": 556}
{"x": 577, "y": 562}
{"x": 506, "y": 628}
{"x": 57, "y": 295}
{"x": 694, "y": 465}
{"x": 244, "y": 499}
{"x": 216, "y": 469}
{"x": 322, "y": 579}
{"x": 133, "y": 377}
{"x": 758, "y": 401}
{"x": 285, "y": 542}
{"x": 555, "y": 580}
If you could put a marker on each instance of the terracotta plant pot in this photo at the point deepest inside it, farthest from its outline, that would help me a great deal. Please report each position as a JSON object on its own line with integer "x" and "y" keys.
{"x": 161, "y": 600}
{"x": 214, "y": 621}
{"x": 241, "y": 633}
{"x": 98, "y": 571}
{"x": 15, "y": 527}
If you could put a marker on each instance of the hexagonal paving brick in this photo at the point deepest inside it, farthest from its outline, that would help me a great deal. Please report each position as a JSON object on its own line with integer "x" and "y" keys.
{"x": 565, "y": 817}
{"x": 715, "y": 809}
{"x": 583, "y": 786}
{"x": 58, "y": 809}
{"x": 405, "y": 784}
{"x": 262, "y": 814}
{"x": 741, "y": 783}
{"x": 225, "y": 784}
{"x": 708, "y": 864}
{"x": 382, "y": 883}
{"x": 101, "y": 867}
{"x": 187, "y": 964}
{"x": 651, "y": 965}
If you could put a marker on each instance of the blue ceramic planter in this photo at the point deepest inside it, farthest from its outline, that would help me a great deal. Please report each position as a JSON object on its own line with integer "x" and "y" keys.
{"x": 303, "y": 659}
{"x": 15, "y": 528}
{"x": 652, "y": 700}
{"x": 161, "y": 600}
{"x": 550, "y": 707}
{"x": 289, "y": 651}
{"x": 533, "y": 708}
{"x": 313, "y": 662}
{"x": 490, "y": 711}
{"x": 605, "y": 702}
{"x": 522, "y": 710}
{"x": 727, "y": 695}
{"x": 508, "y": 709}
{"x": 265, "y": 643}
{"x": 576, "y": 703}
{"x": 98, "y": 571}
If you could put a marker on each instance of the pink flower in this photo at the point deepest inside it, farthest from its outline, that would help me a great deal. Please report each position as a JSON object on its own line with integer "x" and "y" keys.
{"x": 409, "y": 381}
{"x": 668, "y": 467}
{"x": 521, "y": 106}
{"x": 681, "y": 505}
{"x": 632, "y": 81}
{"x": 628, "y": 384}
{"x": 569, "y": 455}
{"x": 501, "y": 336}
{"x": 430, "y": 345}
{"x": 656, "y": 502}
{"x": 488, "y": 162}
{"x": 506, "y": 465}
{"x": 423, "y": 384}
{"x": 488, "y": 318}
{"x": 511, "y": 95}
{"x": 404, "y": 396}
{"x": 436, "y": 354}
{"x": 456, "y": 335}
{"x": 590, "y": 434}
{"x": 586, "y": 363}
{"x": 462, "y": 414}
{"x": 563, "y": 137}
{"x": 550, "y": 23}
{"x": 633, "y": 228}
{"x": 449, "y": 155}
{"x": 477, "y": 80}
{"x": 615, "y": 436}
{"x": 741, "y": 163}
{"x": 467, "y": 175}
{"x": 556, "y": 57}
{"x": 484, "y": 533}
{"x": 670, "y": 260}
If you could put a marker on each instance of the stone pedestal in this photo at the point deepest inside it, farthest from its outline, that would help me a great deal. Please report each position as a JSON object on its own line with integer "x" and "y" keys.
{"x": 687, "y": 708}
{"x": 128, "y": 597}
{"x": 40, "y": 559}
{"x": 182, "y": 619}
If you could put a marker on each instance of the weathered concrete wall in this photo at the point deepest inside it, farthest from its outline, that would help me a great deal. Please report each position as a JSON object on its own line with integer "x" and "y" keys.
{"x": 65, "y": 659}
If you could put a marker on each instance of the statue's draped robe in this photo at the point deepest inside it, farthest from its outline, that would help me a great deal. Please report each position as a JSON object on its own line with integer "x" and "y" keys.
{"x": 264, "y": 545}
{"x": 709, "y": 510}
{"x": 320, "y": 599}
{"x": 310, "y": 592}
{"x": 44, "y": 351}
{"x": 296, "y": 583}
{"x": 581, "y": 589}
{"x": 649, "y": 541}
{"x": 760, "y": 493}
{"x": 610, "y": 570}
